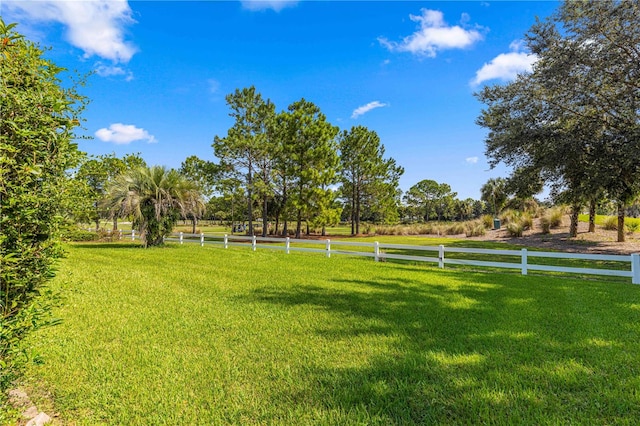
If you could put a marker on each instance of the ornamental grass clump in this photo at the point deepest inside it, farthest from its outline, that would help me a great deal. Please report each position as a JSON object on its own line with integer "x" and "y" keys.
{"x": 610, "y": 223}
{"x": 475, "y": 229}
{"x": 487, "y": 221}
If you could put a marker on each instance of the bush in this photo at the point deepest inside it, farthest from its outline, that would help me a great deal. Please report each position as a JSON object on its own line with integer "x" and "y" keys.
{"x": 632, "y": 227}
{"x": 487, "y": 221}
{"x": 455, "y": 229}
{"x": 527, "y": 221}
{"x": 545, "y": 224}
{"x": 509, "y": 216}
{"x": 610, "y": 223}
{"x": 555, "y": 217}
{"x": 515, "y": 229}
{"x": 475, "y": 229}
{"x": 36, "y": 139}
{"x": 74, "y": 233}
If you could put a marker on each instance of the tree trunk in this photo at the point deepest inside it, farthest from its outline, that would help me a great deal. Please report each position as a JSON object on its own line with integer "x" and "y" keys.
{"x": 324, "y": 231}
{"x": 232, "y": 221}
{"x": 620, "y": 222}
{"x": 357, "y": 216}
{"x": 194, "y": 223}
{"x": 573, "y": 228}
{"x": 264, "y": 217}
{"x": 97, "y": 224}
{"x": 306, "y": 222}
{"x": 299, "y": 224}
{"x": 250, "y": 204}
{"x": 115, "y": 223}
{"x": 592, "y": 216}
{"x": 353, "y": 210}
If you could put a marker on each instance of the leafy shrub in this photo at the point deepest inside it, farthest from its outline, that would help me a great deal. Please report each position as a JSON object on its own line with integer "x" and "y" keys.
{"x": 38, "y": 117}
{"x": 610, "y": 223}
{"x": 74, "y": 233}
{"x": 632, "y": 227}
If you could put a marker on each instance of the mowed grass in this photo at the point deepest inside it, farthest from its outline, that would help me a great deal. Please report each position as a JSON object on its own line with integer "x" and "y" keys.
{"x": 202, "y": 335}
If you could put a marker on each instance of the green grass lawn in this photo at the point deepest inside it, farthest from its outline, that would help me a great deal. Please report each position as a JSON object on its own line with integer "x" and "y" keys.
{"x": 600, "y": 219}
{"x": 202, "y": 335}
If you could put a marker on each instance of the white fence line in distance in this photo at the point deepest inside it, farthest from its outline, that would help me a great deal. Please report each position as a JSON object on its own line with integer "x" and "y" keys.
{"x": 522, "y": 258}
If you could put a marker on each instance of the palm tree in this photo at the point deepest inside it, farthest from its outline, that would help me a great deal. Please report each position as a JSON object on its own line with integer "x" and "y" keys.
{"x": 155, "y": 197}
{"x": 494, "y": 192}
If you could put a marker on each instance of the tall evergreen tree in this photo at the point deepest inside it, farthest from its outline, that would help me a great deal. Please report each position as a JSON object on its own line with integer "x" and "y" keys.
{"x": 369, "y": 181}
{"x": 246, "y": 145}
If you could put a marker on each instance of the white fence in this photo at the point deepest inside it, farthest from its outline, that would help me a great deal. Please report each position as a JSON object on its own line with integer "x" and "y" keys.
{"x": 435, "y": 254}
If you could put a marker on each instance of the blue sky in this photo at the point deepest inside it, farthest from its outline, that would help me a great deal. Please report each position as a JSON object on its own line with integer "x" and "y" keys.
{"x": 407, "y": 70}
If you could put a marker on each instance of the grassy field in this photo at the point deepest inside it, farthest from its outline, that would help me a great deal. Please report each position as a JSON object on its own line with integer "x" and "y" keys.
{"x": 600, "y": 219}
{"x": 201, "y": 335}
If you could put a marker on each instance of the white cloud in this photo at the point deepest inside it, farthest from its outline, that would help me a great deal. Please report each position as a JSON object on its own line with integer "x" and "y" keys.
{"x": 214, "y": 86}
{"x": 122, "y": 134}
{"x": 366, "y": 108}
{"x": 471, "y": 160}
{"x": 112, "y": 70}
{"x": 506, "y": 66}
{"x": 277, "y": 5}
{"x": 434, "y": 35}
{"x": 97, "y": 27}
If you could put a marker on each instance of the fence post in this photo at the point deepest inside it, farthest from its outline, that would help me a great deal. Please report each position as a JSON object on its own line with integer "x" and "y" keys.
{"x": 441, "y": 256}
{"x": 635, "y": 268}
{"x": 524, "y": 261}
{"x": 376, "y": 251}
{"x": 328, "y": 248}
{"x": 286, "y": 245}
{"x": 226, "y": 241}
{"x": 202, "y": 239}
{"x": 253, "y": 243}
{"x": 181, "y": 237}
{"x": 133, "y": 235}
{"x": 119, "y": 234}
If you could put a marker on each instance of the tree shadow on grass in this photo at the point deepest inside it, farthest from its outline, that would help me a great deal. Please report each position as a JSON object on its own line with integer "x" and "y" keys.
{"x": 477, "y": 348}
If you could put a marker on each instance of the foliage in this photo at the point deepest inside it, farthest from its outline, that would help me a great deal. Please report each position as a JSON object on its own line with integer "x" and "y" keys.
{"x": 610, "y": 223}
{"x": 429, "y": 196}
{"x": 71, "y": 232}
{"x": 632, "y": 227}
{"x": 93, "y": 177}
{"x": 494, "y": 193}
{"x": 487, "y": 221}
{"x": 369, "y": 181}
{"x": 574, "y": 121}
{"x": 247, "y": 144}
{"x": 545, "y": 224}
{"x": 312, "y": 159}
{"x": 515, "y": 229}
{"x": 155, "y": 197}
{"x": 475, "y": 229}
{"x": 36, "y": 150}
{"x": 555, "y": 217}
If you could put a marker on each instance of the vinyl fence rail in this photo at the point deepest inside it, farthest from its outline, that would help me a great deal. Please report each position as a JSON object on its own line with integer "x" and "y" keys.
{"x": 515, "y": 259}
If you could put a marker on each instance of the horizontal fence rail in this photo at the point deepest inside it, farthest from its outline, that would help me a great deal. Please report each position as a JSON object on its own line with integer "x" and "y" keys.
{"x": 516, "y": 259}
